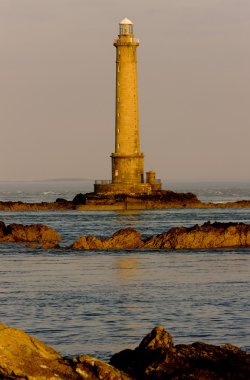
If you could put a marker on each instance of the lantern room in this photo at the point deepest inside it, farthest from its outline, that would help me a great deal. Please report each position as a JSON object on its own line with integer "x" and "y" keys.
{"x": 126, "y": 27}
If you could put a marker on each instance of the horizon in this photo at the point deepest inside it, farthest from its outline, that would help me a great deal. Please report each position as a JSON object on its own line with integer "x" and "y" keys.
{"x": 164, "y": 180}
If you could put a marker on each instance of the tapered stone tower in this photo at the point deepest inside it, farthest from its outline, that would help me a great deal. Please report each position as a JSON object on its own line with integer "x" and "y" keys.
{"x": 127, "y": 160}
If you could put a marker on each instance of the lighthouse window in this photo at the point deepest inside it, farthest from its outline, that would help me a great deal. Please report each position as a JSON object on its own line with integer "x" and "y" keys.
{"x": 118, "y": 146}
{"x": 126, "y": 29}
{"x": 116, "y": 173}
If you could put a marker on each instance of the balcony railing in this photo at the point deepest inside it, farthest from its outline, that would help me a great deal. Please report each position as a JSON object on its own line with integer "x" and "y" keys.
{"x": 131, "y": 39}
{"x": 103, "y": 182}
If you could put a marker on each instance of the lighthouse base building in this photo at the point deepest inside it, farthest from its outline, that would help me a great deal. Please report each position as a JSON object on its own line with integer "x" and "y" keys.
{"x": 127, "y": 160}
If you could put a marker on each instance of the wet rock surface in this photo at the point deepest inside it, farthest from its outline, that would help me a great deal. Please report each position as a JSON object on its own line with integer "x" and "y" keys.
{"x": 30, "y": 234}
{"x": 207, "y": 236}
{"x": 24, "y": 357}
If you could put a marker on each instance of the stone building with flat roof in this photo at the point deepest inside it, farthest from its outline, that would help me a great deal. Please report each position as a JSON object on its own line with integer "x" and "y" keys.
{"x": 127, "y": 160}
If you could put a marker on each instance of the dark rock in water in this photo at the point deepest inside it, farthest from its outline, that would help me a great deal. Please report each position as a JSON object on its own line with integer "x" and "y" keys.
{"x": 35, "y": 233}
{"x": 24, "y": 357}
{"x": 157, "y": 358}
{"x": 79, "y": 199}
{"x": 61, "y": 200}
{"x": 169, "y": 196}
{"x": 3, "y": 229}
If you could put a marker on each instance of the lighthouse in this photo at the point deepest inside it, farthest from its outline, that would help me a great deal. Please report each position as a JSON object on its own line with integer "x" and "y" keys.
{"x": 127, "y": 159}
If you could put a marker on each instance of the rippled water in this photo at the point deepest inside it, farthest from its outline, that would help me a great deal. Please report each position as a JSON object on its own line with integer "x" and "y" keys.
{"x": 101, "y": 302}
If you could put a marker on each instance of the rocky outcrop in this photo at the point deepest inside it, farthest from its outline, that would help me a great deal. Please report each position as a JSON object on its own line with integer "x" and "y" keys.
{"x": 39, "y": 206}
{"x": 127, "y": 238}
{"x": 35, "y": 233}
{"x": 207, "y": 236}
{"x": 24, "y": 357}
{"x": 157, "y": 358}
{"x": 157, "y": 200}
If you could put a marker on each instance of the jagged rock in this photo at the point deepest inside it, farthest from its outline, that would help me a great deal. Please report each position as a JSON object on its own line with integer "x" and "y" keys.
{"x": 216, "y": 235}
{"x": 157, "y": 358}
{"x": 127, "y": 238}
{"x": 35, "y": 233}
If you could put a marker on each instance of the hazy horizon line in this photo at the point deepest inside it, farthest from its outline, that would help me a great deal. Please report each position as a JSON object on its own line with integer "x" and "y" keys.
{"x": 164, "y": 180}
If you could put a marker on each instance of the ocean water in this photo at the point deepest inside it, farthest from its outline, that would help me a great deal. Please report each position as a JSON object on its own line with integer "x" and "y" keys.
{"x": 98, "y": 303}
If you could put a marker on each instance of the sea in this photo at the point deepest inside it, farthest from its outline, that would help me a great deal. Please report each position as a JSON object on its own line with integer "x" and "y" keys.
{"x": 101, "y": 302}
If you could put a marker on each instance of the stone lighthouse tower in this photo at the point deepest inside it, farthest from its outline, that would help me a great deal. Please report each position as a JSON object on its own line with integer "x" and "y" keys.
{"x": 127, "y": 160}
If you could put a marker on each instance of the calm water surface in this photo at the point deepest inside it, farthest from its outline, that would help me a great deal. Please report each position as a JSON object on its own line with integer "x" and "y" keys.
{"x": 101, "y": 302}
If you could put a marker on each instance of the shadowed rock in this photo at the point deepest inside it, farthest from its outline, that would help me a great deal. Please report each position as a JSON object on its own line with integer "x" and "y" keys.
{"x": 207, "y": 236}
{"x": 35, "y": 233}
{"x": 157, "y": 358}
